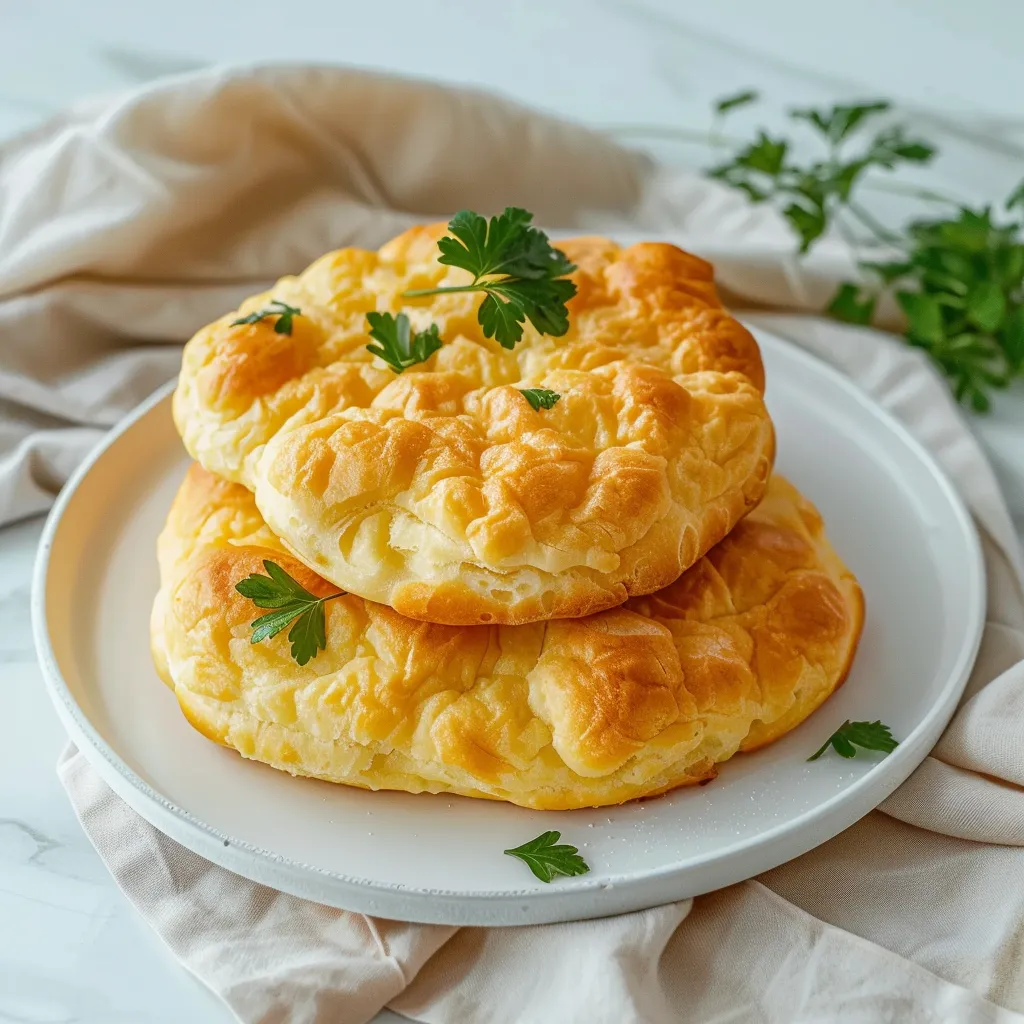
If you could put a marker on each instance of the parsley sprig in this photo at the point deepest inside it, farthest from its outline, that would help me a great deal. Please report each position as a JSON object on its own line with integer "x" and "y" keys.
{"x": 292, "y": 604}
{"x": 522, "y": 274}
{"x": 546, "y": 859}
{"x": 958, "y": 276}
{"x": 540, "y": 398}
{"x": 739, "y": 99}
{"x": 283, "y": 312}
{"x": 400, "y": 347}
{"x": 811, "y": 194}
{"x": 960, "y": 283}
{"x": 850, "y": 735}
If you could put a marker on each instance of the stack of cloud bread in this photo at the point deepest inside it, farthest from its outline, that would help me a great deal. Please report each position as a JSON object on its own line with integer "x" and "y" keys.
{"x": 559, "y": 607}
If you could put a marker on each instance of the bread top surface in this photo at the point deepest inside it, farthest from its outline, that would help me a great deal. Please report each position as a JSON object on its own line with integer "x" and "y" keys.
{"x": 440, "y": 491}
{"x": 625, "y": 703}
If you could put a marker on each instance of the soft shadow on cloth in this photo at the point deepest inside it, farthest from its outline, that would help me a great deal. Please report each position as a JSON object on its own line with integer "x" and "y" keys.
{"x": 129, "y": 223}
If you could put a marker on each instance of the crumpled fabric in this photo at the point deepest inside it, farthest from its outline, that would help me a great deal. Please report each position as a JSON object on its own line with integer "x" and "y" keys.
{"x": 129, "y": 223}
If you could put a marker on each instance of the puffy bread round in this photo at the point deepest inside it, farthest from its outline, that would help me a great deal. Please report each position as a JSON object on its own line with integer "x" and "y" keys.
{"x": 584, "y": 712}
{"x": 441, "y": 492}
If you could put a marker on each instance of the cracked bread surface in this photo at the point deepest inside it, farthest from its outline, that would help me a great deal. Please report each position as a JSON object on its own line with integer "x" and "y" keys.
{"x": 626, "y": 703}
{"x": 440, "y": 491}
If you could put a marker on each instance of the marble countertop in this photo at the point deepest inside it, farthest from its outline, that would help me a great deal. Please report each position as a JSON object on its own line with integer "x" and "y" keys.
{"x": 71, "y": 947}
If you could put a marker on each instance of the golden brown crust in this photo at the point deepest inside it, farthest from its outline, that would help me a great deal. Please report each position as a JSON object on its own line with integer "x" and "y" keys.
{"x": 440, "y": 491}
{"x": 623, "y": 704}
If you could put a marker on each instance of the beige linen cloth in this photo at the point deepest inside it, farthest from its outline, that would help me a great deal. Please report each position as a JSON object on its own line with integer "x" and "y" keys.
{"x": 128, "y": 223}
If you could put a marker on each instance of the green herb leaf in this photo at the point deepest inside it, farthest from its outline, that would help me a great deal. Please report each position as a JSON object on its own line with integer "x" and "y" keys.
{"x": 842, "y": 180}
{"x": 986, "y": 305}
{"x": 924, "y": 316}
{"x": 759, "y": 169}
{"x": 757, "y": 195}
{"x": 546, "y": 860}
{"x": 522, "y": 274}
{"x": 1013, "y": 338}
{"x": 850, "y": 735}
{"x": 836, "y": 124}
{"x": 848, "y": 305}
{"x": 980, "y": 402}
{"x": 970, "y": 233}
{"x": 283, "y": 312}
{"x": 739, "y": 99}
{"x": 809, "y": 221}
{"x": 889, "y": 271}
{"x": 399, "y": 347}
{"x": 269, "y": 625}
{"x": 959, "y": 276}
{"x": 765, "y": 154}
{"x": 292, "y": 604}
{"x": 540, "y": 398}
{"x": 1008, "y": 266}
{"x": 892, "y": 146}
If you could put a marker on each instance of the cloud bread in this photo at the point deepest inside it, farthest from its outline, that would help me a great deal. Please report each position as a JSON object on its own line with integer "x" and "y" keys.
{"x": 440, "y": 491}
{"x": 626, "y": 703}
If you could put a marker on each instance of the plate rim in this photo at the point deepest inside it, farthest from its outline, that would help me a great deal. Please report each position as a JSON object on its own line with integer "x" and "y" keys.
{"x": 582, "y": 898}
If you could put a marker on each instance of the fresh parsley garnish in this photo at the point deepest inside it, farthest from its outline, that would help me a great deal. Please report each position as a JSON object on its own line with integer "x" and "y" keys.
{"x": 540, "y": 398}
{"x": 283, "y": 312}
{"x": 737, "y": 100}
{"x": 958, "y": 276}
{"x": 811, "y": 194}
{"x": 290, "y": 600}
{"x": 842, "y": 119}
{"x": 850, "y": 735}
{"x": 960, "y": 283}
{"x": 400, "y": 347}
{"x": 523, "y": 276}
{"x": 546, "y": 860}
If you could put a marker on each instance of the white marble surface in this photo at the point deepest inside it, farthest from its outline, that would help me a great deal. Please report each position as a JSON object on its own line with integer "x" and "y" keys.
{"x": 71, "y": 948}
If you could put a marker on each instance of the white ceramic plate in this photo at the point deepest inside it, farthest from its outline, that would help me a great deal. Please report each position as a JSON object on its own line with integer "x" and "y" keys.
{"x": 890, "y": 512}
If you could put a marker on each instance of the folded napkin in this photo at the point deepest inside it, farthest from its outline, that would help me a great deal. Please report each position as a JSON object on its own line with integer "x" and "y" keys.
{"x": 128, "y": 223}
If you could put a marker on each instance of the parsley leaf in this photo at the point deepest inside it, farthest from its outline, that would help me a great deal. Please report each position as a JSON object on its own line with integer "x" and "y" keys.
{"x": 924, "y": 317}
{"x": 1013, "y": 340}
{"x": 765, "y": 155}
{"x": 290, "y": 601}
{"x": 958, "y": 277}
{"x": 836, "y": 124}
{"x": 399, "y": 347}
{"x": 809, "y": 220}
{"x": 892, "y": 146}
{"x": 756, "y": 168}
{"x": 739, "y": 99}
{"x": 546, "y": 860}
{"x": 962, "y": 290}
{"x": 986, "y": 306}
{"x": 888, "y": 271}
{"x": 281, "y": 310}
{"x": 523, "y": 276}
{"x": 849, "y": 305}
{"x": 850, "y": 735}
{"x": 540, "y": 398}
